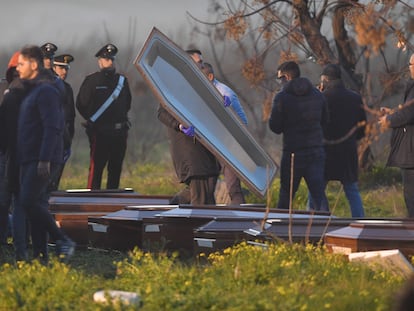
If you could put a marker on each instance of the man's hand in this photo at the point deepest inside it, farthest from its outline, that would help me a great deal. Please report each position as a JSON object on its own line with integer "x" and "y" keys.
{"x": 43, "y": 169}
{"x": 383, "y": 122}
{"x": 189, "y": 131}
{"x": 227, "y": 101}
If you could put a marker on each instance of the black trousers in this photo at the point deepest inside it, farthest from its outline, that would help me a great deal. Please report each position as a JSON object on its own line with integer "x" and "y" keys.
{"x": 408, "y": 184}
{"x": 106, "y": 149}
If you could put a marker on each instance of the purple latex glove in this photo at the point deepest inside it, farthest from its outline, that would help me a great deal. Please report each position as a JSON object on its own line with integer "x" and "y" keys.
{"x": 189, "y": 131}
{"x": 227, "y": 101}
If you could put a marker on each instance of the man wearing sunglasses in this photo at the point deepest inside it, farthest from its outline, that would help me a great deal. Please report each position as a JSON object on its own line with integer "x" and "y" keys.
{"x": 298, "y": 111}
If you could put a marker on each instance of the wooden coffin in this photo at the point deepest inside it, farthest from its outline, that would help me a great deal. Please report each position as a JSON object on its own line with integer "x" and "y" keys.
{"x": 72, "y": 209}
{"x": 121, "y": 230}
{"x": 372, "y": 235}
{"x": 219, "y": 234}
{"x": 299, "y": 230}
{"x": 174, "y": 229}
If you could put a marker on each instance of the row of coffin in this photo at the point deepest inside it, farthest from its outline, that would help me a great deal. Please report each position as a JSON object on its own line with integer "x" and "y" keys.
{"x": 122, "y": 220}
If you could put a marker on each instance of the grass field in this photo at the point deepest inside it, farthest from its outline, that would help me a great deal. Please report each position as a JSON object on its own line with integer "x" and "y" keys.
{"x": 281, "y": 276}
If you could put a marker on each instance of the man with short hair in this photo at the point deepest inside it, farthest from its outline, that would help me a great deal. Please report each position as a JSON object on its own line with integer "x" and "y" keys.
{"x": 40, "y": 148}
{"x": 401, "y": 121}
{"x": 299, "y": 110}
{"x": 345, "y": 127}
{"x": 104, "y": 100}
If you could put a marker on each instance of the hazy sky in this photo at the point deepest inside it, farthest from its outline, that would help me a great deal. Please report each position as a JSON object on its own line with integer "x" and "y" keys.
{"x": 70, "y": 23}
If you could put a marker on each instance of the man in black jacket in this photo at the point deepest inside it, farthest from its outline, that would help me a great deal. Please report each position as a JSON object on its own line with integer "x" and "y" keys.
{"x": 104, "y": 100}
{"x": 346, "y": 126}
{"x": 401, "y": 121}
{"x": 298, "y": 111}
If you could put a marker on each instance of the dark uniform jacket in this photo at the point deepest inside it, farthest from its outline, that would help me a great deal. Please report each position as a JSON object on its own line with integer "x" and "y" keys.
{"x": 69, "y": 110}
{"x": 402, "y": 136}
{"x": 41, "y": 120}
{"x": 95, "y": 90}
{"x": 345, "y": 113}
{"x": 299, "y": 111}
{"x": 190, "y": 157}
{"x": 9, "y": 112}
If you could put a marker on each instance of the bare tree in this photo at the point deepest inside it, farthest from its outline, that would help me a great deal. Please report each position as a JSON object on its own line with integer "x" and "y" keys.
{"x": 366, "y": 38}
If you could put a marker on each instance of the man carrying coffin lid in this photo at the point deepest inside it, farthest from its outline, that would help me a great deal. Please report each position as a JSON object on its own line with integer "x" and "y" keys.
{"x": 104, "y": 100}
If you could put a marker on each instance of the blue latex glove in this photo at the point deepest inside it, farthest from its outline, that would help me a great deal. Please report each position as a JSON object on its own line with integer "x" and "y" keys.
{"x": 189, "y": 131}
{"x": 227, "y": 101}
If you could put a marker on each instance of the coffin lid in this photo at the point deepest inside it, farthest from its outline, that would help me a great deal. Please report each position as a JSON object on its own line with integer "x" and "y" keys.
{"x": 185, "y": 92}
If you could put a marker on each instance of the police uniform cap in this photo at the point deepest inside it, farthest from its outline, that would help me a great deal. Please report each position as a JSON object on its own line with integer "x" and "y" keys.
{"x": 48, "y": 50}
{"x": 108, "y": 51}
{"x": 63, "y": 60}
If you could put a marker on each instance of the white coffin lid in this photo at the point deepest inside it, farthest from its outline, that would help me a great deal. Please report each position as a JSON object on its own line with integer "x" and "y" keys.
{"x": 191, "y": 98}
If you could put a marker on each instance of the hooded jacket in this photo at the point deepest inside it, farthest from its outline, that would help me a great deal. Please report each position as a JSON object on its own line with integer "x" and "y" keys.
{"x": 299, "y": 111}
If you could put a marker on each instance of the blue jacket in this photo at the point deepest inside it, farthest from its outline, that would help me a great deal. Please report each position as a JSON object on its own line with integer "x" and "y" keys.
{"x": 41, "y": 120}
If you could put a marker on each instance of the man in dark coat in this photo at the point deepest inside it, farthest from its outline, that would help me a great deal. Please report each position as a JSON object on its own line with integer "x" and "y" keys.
{"x": 61, "y": 65}
{"x": 345, "y": 127}
{"x": 401, "y": 121}
{"x": 40, "y": 148}
{"x": 299, "y": 111}
{"x": 9, "y": 112}
{"x": 194, "y": 164}
{"x": 104, "y": 100}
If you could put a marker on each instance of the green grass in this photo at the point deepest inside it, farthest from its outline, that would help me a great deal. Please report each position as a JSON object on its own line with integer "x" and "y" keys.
{"x": 244, "y": 277}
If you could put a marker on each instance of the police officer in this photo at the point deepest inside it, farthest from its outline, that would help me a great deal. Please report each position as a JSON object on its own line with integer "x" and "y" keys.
{"x": 61, "y": 65}
{"x": 48, "y": 50}
{"x": 104, "y": 100}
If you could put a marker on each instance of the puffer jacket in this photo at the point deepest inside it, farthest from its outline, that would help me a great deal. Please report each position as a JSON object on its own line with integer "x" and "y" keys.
{"x": 299, "y": 111}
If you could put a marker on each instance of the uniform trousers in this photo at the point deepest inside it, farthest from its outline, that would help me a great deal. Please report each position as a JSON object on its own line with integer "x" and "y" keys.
{"x": 106, "y": 149}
